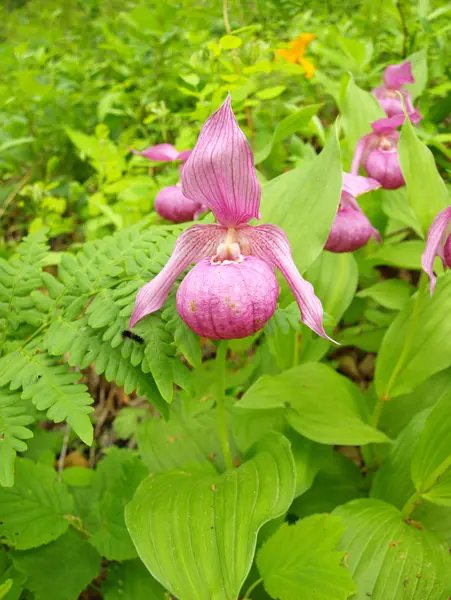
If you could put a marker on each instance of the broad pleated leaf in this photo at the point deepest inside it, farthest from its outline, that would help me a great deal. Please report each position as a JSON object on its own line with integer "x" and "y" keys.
{"x": 422, "y": 177}
{"x": 358, "y": 110}
{"x": 196, "y": 533}
{"x": 319, "y": 403}
{"x": 433, "y": 454}
{"x": 301, "y": 561}
{"x": 430, "y": 350}
{"x": 390, "y": 560}
{"x": 312, "y": 199}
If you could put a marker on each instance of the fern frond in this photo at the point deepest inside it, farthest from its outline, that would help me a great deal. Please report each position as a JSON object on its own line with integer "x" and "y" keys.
{"x": 13, "y": 432}
{"x": 184, "y": 338}
{"x": 19, "y": 277}
{"x": 121, "y": 364}
{"x": 51, "y": 387}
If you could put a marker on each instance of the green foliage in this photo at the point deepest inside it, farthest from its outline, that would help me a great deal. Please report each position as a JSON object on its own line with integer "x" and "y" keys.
{"x": 149, "y": 510}
{"x": 293, "y": 560}
{"x": 194, "y": 530}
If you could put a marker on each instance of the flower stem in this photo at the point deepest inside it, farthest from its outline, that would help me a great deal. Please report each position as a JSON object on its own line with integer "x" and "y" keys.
{"x": 404, "y": 352}
{"x": 220, "y": 407}
{"x": 252, "y": 588}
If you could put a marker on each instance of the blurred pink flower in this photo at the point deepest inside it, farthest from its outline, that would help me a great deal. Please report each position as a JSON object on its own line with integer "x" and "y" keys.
{"x": 395, "y": 76}
{"x": 438, "y": 243}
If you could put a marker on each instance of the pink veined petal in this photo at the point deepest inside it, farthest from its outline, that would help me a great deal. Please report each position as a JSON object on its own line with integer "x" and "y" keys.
{"x": 270, "y": 243}
{"x": 362, "y": 146}
{"x": 184, "y": 155}
{"x": 355, "y": 185}
{"x": 220, "y": 171}
{"x": 434, "y": 240}
{"x": 397, "y": 75}
{"x": 390, "y": 124}
{"x": 195, "y": 243}
{"x": 409, "y": 104}
{"x": 160, "y": 152}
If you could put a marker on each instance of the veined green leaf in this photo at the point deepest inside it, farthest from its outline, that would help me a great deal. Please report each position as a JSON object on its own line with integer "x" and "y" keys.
{"x": 196, "y": 532}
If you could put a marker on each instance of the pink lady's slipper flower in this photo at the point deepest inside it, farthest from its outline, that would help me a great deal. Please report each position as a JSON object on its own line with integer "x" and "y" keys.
{"x": 232, "y": 290}
{"x": 170, "y": 203}
{"x": 378, "y": 151}
{"x": 351, "y": 229}
{"x": 395, "y": 76}
{"x": 438, "y": 243}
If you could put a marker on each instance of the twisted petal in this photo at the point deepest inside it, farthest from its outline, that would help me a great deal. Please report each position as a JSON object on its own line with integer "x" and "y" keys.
{"x": 220, "y": 172}
{"x": 390, "y": 124}
{"x": 355, "y": 185}
{"x": 360, "y": 150}
{"x": 195, "y": 243}
{"x": 434, "y": 243}
{"x": 270, "y": 243}
{"x": 162, "y": 153}
{"x": 397, "y": 75}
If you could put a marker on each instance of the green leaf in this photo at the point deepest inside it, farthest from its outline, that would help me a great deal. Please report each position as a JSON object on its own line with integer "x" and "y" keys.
{"x": 393, "y": 481}
{"x": 173, "y": 444}
{"x": 390, "y": 293}
{"x": 196, "y": 533}
{"x": 131, "y": 581}
{"x": 430, "y": 347}
{"x": 422, "y": 177}
{"x": 433, "y": 454}
{"x": 313, "y": 200}
{"x": 359, "y": 109}
{"x": 270, "y": 93}
{"x": 356, "y": 50}
{"x": 334, "y": 278}
{"x": 286, "y": 127}
{"x": 395, "y": 205}
{"x": 390, "y": 560}
{"x": 34, "y": 510}
{"x": 60, "y": 570}
{"x": 440, "y": 493}
{"x": 301, "y": 561}
{"x": 319, "y": 403}
{"x": 158, "y": 353}
{"x": 405, "y": 255}
{"x": 185, "y": 339}
{"x": 13, "y": 430}
{"x": 114, "y": 483}
{"x": 230, "y": 42}
{"x": 338, "y": 481}
{"x": 420, "y": 73}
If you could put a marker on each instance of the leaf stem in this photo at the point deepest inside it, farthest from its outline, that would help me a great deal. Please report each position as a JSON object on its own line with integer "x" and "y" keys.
{"x": 220, "y": 406}
{"x": 247, "y": 595}
{"x": 410, "y": 505}
{"x": 297, "y": 348}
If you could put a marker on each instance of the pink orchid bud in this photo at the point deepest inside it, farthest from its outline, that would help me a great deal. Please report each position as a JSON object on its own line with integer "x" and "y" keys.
{"x": 351, "y": 229}
{"x": 438, "y": 243}
{"x": 395, "y": 76}
{"x": 228, "y": 300}
{"x": 171, "y": 204}
{"x": 232, "y": 291}
{"x": 378, "y": 151}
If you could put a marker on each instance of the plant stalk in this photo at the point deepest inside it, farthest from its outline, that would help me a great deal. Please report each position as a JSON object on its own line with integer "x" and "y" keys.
{"x": 220, "y": 404}
{"x": 252, "y": 588}
{"x": 410, "y": 505}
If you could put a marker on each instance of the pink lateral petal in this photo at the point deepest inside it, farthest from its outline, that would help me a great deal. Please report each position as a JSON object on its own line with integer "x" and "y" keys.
{"x": 184, "y": 155}
{"x": 160, "y": 152}
{"x": 355, "y": 185}
{"x": 220, "y": 171}
{"x": 195, "y": 243}
{"x": 390, "y": 124}
{"x": 362, "y": 146}
{"x": 434, "y": 240}
{"x": 397, "y": 75}
{"x": 270, "y": 243}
